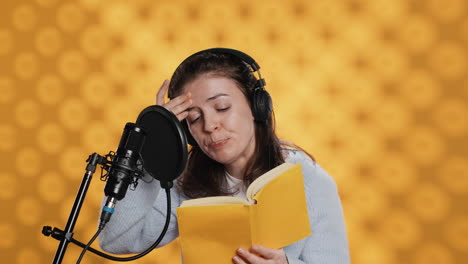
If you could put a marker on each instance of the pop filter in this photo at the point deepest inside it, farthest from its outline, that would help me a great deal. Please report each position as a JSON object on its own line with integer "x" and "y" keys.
{"x": 164, "y": 152}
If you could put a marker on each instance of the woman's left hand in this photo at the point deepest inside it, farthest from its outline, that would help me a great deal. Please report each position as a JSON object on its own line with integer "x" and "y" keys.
{"x": 260, "y": 255}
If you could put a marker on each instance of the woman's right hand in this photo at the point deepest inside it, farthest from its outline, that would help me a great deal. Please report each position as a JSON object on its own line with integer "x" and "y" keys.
{"x": 178, "y": 105}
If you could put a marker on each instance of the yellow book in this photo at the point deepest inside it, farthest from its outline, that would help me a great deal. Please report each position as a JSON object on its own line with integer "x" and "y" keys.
{"x": 274, "y": 215}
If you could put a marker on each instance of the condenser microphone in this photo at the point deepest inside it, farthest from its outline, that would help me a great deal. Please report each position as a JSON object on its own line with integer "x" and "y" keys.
{"x": 123, "y": 168}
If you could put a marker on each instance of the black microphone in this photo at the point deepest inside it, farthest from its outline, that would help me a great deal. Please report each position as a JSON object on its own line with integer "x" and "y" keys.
{"x": 123, "y": 169}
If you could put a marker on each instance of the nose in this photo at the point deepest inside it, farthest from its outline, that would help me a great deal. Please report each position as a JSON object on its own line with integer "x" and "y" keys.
{"x": 211, "y": 123}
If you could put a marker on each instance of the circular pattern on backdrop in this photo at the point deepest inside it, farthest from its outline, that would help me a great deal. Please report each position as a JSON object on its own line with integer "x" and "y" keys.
{"x": 98, "y": 138}
{"x": 28, "y": 161}
{"x": 119, "y": 113}
{"x": 457, "y": 233}
{"x": 117, "y": 16}
{"x": 95, "y": 41}
{"x": 27, "y": 113}
{"x": 392, "y": 117}
{"x": 359, "y": 34}
{"x": 390, "y": 63}
{"x": 420, "y": 89}
{"x": 50, "y": 89}
{"x": 372, "y": 252}
{"x": 6, "y": 41}
{"x": 400, "y": 229}
{"x": 73, "y": 114}
{"x": 70, "y": 17}
{"x": 7, "y": 90}
{"x": 48, "y": 41}
{"x": 433, "y": 252}
{"x": 419, "y": 33}
{"x": 26, "y": 65}
{"x": 446, "y": 10}
{"x": 464, "y": 30}
{"x": 423, "y": 145}
{"x": 119, "y": 67}
{"x": 369, "y": 201}
{"x": 7, "y": 137}
{"x": 390, "y": 12}
{"x": 90, "y": 4}
{"x": 72, "y": 65}
{"x": 51, "y": 138}
{"x": 453, "y": 174}
{"x": 7, "y": 235}
{"x": 73, "y": 163}
{"x": 28, "y": 210}
{"x": 28, "y": 256}
{"x": 52, "y": 187}
{"x": 395, "y": 174}
{"x": 24, "y": 17}
{"x": 429, "y": 202}
{"x": 451, "y": 117}
{"x": 47, "y": 3}
{"x": 8, "y": 186}
{"x": 365, "y": 143}
{"x": 97, "y": 90}
{"x": 449, "y": 60}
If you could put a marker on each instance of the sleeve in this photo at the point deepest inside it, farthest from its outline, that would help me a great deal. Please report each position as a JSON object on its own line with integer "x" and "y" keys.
{"x": 139, "y": 219}
{"x": 328, "y": 242}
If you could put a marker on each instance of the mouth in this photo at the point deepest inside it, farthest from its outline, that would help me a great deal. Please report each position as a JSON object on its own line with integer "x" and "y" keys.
{"x": 218, "y": 144}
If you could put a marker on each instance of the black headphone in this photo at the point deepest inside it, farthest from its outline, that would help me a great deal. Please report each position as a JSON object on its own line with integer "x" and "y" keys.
{"x": 260, "y": 100}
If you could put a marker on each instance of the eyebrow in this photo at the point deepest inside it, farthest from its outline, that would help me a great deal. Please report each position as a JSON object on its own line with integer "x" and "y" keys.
{"x": 210, "y": 99}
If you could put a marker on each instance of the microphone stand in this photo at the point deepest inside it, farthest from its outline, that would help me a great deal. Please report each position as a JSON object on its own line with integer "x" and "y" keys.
{"x": 93, "y": 160}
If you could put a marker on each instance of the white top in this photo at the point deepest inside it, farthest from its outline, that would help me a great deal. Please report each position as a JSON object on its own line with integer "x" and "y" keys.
{"x": 236, "y": 185}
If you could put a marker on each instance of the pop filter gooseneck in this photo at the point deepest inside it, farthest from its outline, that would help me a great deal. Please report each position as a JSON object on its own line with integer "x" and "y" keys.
{"x": 164, "y": 153}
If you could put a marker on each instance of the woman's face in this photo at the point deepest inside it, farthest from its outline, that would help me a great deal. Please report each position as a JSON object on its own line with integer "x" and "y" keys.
{"x": 220, "y": 119}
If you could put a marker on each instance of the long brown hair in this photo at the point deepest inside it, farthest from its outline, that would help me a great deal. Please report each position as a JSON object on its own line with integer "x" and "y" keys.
{"x": 204, "y": 176}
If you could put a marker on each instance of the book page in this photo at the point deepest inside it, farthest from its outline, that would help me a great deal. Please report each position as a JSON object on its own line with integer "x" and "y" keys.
{"x": 211, "y": 234}
{"x": 215, "y": 200}
{"x": 261, "y": 181}
{"x": 280, "y": 216}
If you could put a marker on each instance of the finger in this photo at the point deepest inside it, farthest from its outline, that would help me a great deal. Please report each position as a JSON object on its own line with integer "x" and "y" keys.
{"x": 238, "y": 260}
{"x": 176, "y": 104}
{"x": 268, "y": 253}
{"x": 162, "y": 92}
{"x": 178, "y": 109}
{"x": 249, "y": 257}
{"x": 182, "y": 115}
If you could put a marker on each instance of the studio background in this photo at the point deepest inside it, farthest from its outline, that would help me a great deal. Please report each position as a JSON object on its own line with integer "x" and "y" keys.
{"x": 376, "y": 90}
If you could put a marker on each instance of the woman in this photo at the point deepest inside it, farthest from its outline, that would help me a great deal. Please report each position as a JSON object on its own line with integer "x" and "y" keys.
{"x": 228, "y": 115}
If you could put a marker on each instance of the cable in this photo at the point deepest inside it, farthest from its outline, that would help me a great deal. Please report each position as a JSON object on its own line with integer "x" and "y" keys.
{"x": 89, "y": 244}
{"x": 139, "y": 255}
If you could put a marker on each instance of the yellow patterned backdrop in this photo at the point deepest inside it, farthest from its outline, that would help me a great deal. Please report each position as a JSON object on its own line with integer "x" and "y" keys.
{"x": 376, "y": 90}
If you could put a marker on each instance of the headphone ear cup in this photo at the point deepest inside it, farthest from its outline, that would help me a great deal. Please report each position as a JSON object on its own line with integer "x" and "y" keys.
{"x": 261, "y": 105}
{"x": 189, "y": 136}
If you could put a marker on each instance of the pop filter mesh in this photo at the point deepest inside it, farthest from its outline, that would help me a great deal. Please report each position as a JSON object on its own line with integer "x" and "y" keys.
{"x": 164, "y": 151}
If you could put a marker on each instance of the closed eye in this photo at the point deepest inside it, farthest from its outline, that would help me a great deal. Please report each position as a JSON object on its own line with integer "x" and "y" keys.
{"x": 224, "y": 109}
{"x": 194, "y": 120}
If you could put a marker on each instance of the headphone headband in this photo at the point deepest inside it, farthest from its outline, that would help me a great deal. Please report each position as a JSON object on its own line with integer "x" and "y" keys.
{"x": 246, "y": 58}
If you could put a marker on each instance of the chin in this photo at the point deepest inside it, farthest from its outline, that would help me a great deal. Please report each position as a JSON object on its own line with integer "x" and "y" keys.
{"x": 223, "y": 156}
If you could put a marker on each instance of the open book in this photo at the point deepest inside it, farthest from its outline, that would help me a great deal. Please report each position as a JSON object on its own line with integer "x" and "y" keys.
{"x": 274, "y": 215}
